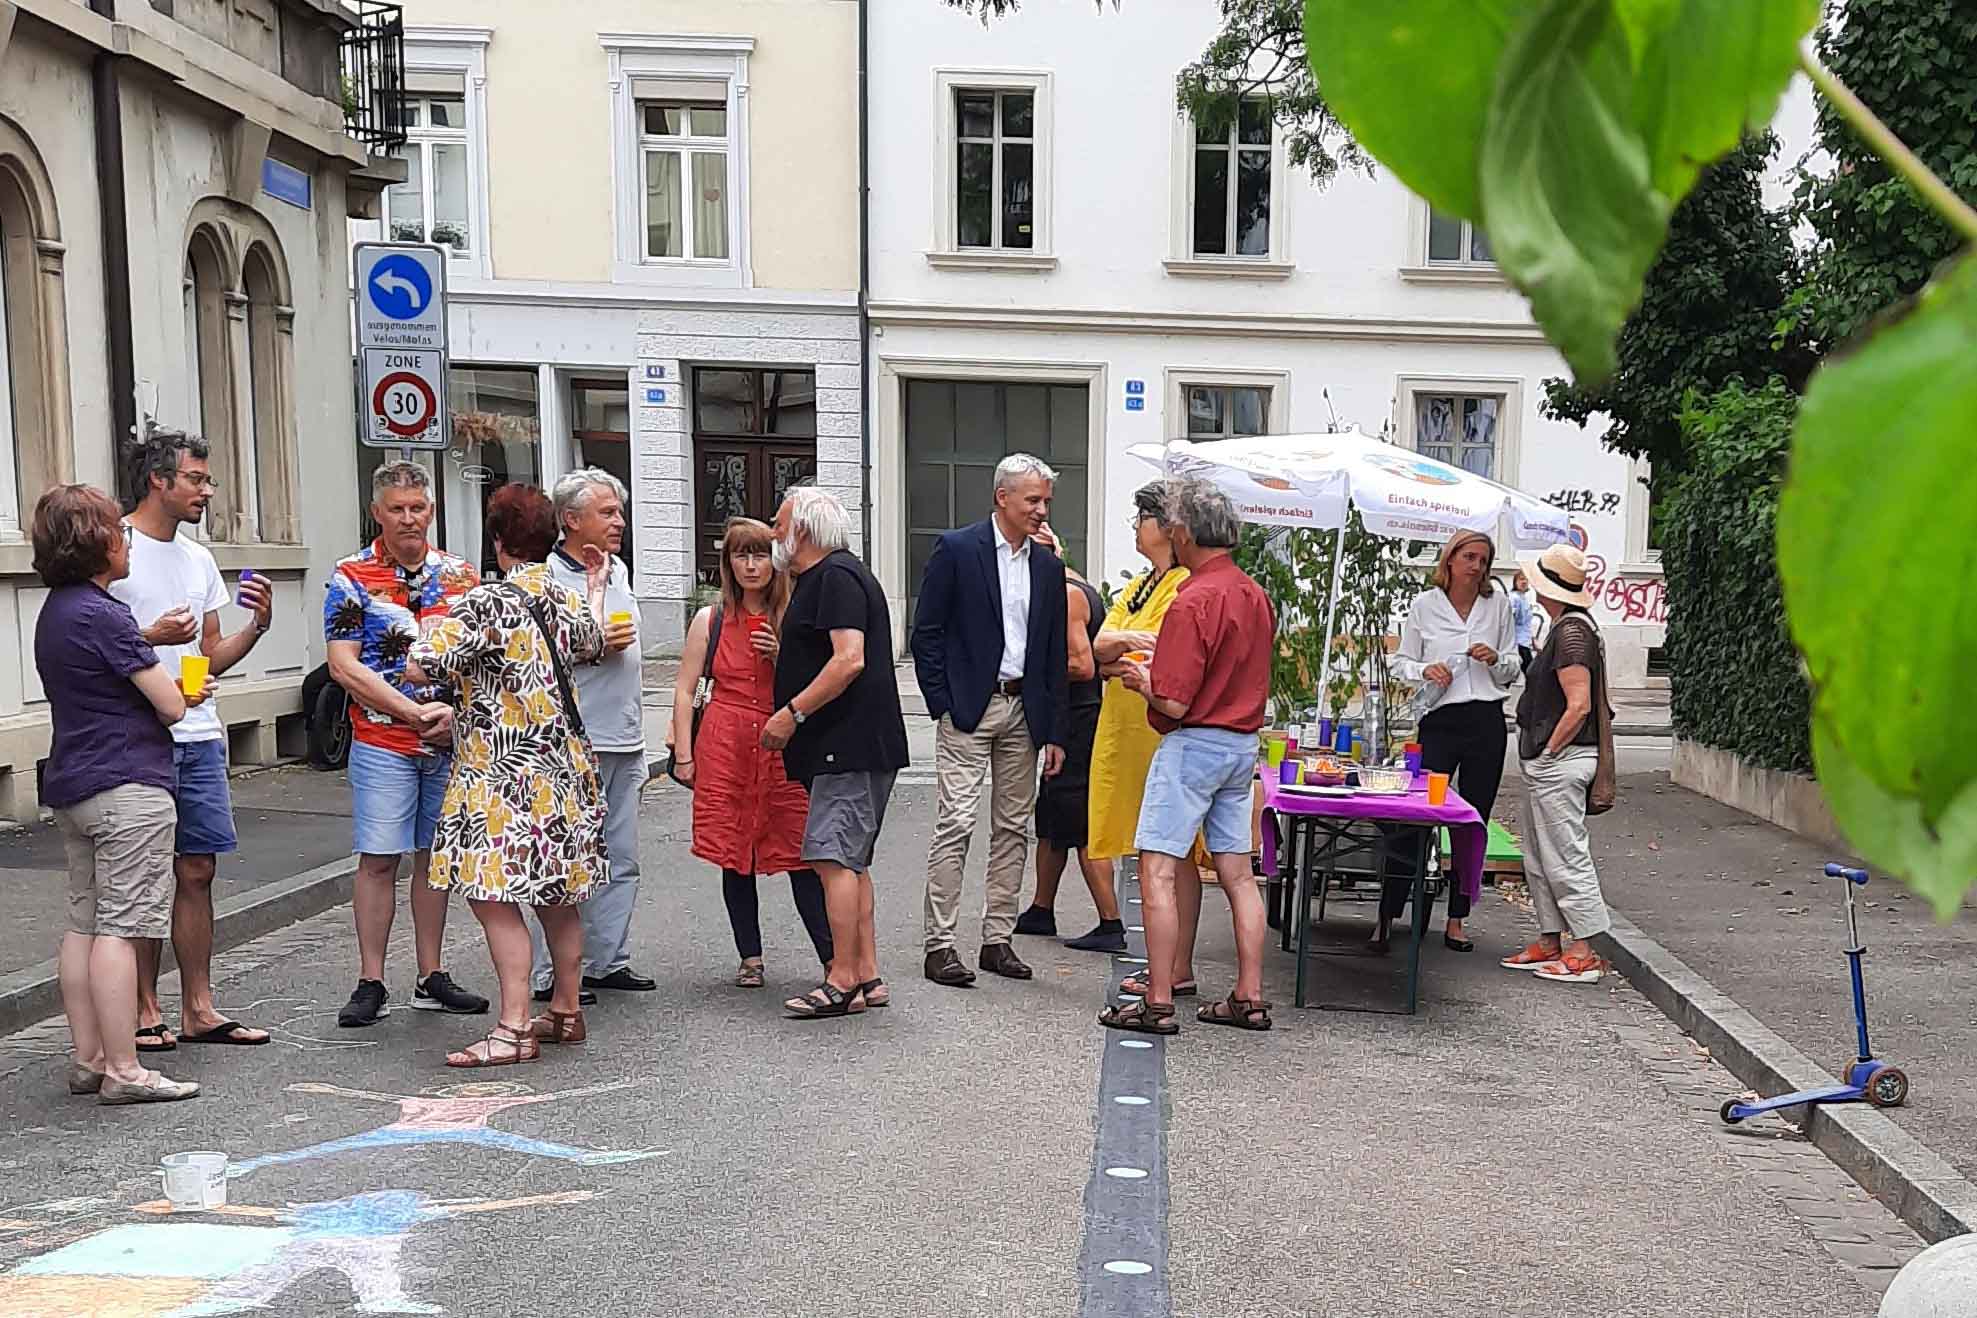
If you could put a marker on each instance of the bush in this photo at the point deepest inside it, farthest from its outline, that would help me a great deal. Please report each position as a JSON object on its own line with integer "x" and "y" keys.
{"x": 1735, "y": 676}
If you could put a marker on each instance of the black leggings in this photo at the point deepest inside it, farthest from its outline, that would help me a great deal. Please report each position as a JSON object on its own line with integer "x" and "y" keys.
{"x": 744, "y": 912}
{"x": 1466, "y": 740}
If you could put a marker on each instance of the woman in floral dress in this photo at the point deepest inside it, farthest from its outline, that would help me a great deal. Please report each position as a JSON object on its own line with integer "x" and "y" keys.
{"x": 523, "y": 818}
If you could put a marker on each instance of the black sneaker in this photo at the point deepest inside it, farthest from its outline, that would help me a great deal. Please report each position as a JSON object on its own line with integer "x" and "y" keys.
{"x": 367, "y": 1006}
{"x": 1108, "y": 936}
{"x": 585, "y": 997}
{"x": 1037, "y": 920}
{"x": 438, "y": 992}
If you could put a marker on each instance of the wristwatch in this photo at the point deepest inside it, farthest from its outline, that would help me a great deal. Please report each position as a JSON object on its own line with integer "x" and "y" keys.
{"x": 796, "y": 713}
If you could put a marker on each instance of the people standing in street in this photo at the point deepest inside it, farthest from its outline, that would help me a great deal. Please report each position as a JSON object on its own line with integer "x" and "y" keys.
{"x": 1558, "y": 753}
{"x": 175, "y": 591}
{"x": 839, "y": 727}
{"x": 590, "y": 514}
{"x": 523, "y": 819}
{"x": 1206, "y": 690}
{"x": 109, "y": 779}
{"x": 1063, "y": 802}
{"x": 1457, "y": 641}
{"x": 379, "y": 602}
{"x": 990, "y": 654}
{"x": 748, "y": 813}
{"x": 1524, "y": 614}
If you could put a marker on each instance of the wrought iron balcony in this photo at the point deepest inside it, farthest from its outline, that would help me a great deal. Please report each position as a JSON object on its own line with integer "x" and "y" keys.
{"x": 374, "y": 75}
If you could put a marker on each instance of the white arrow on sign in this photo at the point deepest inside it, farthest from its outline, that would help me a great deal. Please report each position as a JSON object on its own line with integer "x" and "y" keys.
{"x": 389, "y": 281}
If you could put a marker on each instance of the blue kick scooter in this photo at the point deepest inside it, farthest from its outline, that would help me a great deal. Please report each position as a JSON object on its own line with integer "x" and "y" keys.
{"x": 1867, "y": 1080}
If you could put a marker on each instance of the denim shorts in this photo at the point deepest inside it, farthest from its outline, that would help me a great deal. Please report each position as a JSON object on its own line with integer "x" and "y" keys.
{"x": 1200, "y": 780}
{"x": 205, "y": 808}
{"x": 395, "y": 798}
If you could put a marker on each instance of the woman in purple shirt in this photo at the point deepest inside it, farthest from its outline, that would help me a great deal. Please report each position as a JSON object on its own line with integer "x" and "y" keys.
{"x": 109, "y": 781}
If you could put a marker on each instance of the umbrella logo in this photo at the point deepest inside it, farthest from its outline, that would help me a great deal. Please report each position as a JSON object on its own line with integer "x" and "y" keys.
{"x": 1408, "y": 466}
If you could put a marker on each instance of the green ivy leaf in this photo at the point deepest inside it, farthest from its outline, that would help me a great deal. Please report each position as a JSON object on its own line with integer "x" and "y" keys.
{"x": 1875, "y": 549}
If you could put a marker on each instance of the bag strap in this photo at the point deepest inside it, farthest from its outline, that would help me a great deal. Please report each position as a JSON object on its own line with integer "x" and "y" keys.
{"x": 543, "y": 625}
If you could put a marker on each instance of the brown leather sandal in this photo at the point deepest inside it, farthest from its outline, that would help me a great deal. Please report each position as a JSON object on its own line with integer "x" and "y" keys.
{"x": 751, "y": 974}
{"x": 520, "y": 1047}
{"x": 559, "y": 1027}
{"x": 1243, "y": 1013}
{"x": 1141, "y": 1017}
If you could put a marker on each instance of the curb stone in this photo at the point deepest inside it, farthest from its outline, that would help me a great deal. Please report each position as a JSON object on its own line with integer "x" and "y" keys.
{"x": 35, "y": 993}
{"x": 1915, "y": 1183}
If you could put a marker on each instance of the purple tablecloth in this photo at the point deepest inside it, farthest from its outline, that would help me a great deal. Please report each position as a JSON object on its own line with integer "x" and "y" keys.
{"x": 1468, "y": 836}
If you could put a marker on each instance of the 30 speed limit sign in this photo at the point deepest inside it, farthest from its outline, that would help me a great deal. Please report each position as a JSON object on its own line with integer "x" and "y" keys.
{"x": 404, "y": 398}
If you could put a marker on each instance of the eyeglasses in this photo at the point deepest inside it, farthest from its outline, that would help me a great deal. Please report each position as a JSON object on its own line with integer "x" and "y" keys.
{"x": 199, "y": 480}
{"x": 751, "y": 555}
{"x": 1133, "y": 523}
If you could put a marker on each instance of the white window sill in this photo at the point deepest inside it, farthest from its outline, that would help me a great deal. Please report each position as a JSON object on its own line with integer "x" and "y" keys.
{"x": 691, "y": 274}
{"x": 1452, "y": 272}
{"x": 991, "y": 259}
{"x": 1640, "y": 570}
{"x": 1229, "y": 268}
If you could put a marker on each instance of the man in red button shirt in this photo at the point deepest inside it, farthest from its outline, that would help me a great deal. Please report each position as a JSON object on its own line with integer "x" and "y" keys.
{"x": 1205, "y": 690}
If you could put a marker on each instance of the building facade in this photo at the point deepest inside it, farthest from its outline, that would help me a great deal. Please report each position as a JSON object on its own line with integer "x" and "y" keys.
{"x": 650, "y": 209}
{"x": 236, "y": 175}
{"x": 1063, "y": 263}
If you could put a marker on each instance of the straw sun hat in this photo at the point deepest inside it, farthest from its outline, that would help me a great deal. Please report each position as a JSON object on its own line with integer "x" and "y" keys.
{"x": 1560, "y": 574}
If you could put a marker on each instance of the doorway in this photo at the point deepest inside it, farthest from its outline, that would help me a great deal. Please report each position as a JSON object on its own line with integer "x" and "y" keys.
{"x": 754, "y": 436}
{"x": 600, "y": 435}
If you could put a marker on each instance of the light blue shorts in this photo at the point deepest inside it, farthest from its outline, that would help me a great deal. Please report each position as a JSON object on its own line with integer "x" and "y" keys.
{"x": 1199, "y": 781}
{"x": 395, "y": 799}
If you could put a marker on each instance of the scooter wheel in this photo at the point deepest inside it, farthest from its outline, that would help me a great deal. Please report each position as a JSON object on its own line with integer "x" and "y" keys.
{"x": 1887, "y": 1086}
{"x": 1728, "y": 1112}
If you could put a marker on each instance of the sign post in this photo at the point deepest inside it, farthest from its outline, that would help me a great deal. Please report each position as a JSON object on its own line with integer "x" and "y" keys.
{"x": 401, "y": 345}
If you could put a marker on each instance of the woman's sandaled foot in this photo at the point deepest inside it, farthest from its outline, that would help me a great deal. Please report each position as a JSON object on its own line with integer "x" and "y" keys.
{"x": 559, "y": 1027}
{"x": 1242, "y": 1013}
{"x": 749, "y": 975}
{"x": 226, "y": 1032}
{"x": 876, "y": 993}
{"x": 156, "y": 1039}
{"x": 1141, "y": 1017}
{"x": 1138, "y": 985}
{"x": 827, "y": 999}
{"x": 501, "y": 1047}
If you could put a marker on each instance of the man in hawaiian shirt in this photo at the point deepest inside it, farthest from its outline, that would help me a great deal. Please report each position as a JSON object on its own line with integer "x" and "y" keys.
{"x": 379, "y": 602}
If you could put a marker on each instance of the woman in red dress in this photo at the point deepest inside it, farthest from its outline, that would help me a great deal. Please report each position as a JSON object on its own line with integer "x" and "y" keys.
{"x": 747, "y": 814}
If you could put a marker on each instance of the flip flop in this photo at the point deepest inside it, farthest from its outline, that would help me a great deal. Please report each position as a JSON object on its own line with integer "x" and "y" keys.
{"x": 227, "y": 1032}
{"x": 159, "y": 1043}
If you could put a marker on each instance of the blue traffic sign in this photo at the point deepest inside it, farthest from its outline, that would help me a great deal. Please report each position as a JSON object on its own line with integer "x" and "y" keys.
{"x": 399, "y": 287}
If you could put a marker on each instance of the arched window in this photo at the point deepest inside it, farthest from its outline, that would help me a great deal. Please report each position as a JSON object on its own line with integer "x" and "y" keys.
{"x": 270, "y": 325}
{"x": 35, "y": 441}
{"x": 213, "y": 375}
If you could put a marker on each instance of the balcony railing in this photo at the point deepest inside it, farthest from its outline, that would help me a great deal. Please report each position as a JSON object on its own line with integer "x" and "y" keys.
{"x": 374, "y": 75}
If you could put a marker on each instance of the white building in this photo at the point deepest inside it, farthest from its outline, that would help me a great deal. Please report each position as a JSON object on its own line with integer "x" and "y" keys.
{"x": 1059, "y": 264}
{"x": 652, "y": 213}
{"x": 229, "y": 315}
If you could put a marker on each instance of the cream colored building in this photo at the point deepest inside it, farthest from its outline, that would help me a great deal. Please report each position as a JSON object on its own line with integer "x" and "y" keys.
{"x": 651, "y": 213}
{"x": 237, "y": 175}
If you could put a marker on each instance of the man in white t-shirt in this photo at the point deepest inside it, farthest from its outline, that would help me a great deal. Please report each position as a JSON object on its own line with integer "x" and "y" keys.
{"x": 590, "y": 510}
{"x": 175, "y": 592}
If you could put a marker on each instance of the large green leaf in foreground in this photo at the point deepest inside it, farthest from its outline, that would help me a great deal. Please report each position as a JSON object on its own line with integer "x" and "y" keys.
{"x": 1878, "y": 556}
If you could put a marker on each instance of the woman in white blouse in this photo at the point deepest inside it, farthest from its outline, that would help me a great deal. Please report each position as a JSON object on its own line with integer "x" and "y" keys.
{"x": 1459, "y": 644}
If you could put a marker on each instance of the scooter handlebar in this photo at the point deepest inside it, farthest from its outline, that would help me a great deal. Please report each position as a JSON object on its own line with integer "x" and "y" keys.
{"x": 1837, "y": 871}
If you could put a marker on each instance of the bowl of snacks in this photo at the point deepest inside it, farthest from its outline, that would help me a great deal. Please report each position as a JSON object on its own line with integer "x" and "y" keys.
{"x": 1324, "y": 771}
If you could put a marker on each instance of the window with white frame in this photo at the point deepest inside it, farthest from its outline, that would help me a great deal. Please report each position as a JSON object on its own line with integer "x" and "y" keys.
{"x": 1230, "y": 177}
{"x": 683, "y": 160}
{"x": 995, "y": 175}
{"x": 1223, "y": 411}
{"x": 434, "y": 203}
{"x": 1459, "y": 429}
{"x": 1453, "y": 241}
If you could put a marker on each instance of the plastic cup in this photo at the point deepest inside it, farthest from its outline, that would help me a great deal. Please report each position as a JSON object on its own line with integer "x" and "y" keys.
{"x": 1139, "y": 656}
{"x": 621, "y": 618}
{"x": 1274, "y": 750}
{"x": 1412, "y": 756}
{"x": 195, "y": 1181}
{"x": 1287, "y": 772}
{"x": 246, "y": 575}
{"x": 192, "y": 672}
{"x": 1324, "y": 732}
{"x": 1342, "y": 738}
{"x": 1437, "y": 788}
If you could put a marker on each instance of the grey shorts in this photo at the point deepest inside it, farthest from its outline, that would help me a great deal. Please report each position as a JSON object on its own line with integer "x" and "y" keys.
{"x": 846, "y": 812}
{"x": 120, "y": 862}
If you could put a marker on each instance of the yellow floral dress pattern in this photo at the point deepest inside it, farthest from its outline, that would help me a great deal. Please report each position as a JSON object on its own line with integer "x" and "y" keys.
{"x": 523, "y": 817}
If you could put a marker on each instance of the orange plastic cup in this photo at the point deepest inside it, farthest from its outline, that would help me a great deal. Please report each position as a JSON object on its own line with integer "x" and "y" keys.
{"x": 1437, "y": 788}
{"x": 1139, "y": 656}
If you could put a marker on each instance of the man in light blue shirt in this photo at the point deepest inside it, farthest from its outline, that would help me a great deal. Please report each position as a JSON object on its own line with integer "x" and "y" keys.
{"x": 1524, "y": 614}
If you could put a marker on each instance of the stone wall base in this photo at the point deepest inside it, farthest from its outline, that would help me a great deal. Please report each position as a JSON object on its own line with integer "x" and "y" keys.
{"x": 1789, "y": 800}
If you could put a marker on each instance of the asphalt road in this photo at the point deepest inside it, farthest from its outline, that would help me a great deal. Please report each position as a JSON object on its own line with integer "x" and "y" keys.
{"x": 1511, "y": 1150}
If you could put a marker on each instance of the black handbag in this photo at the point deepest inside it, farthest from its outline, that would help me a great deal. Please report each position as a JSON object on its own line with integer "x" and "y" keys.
{"x": 703, "y": 691}
{"x": 548, "y": 630}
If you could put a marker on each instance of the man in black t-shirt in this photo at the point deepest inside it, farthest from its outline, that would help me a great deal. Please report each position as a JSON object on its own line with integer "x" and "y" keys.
{"x": 840, "y": 730}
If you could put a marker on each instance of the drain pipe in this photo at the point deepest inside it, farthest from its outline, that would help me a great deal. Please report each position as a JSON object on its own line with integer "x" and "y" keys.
{"x": 107, "y": 100}
{"x": 864, "y": 282}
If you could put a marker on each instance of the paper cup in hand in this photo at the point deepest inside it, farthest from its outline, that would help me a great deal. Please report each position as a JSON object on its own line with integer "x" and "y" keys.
{"x": 621, "y": 618}
{"x": 192, "y": 671}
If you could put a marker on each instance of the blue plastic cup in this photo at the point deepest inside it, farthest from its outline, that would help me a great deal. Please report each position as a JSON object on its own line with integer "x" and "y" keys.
{"x": 246, "y": 575}
{"x": 1342, "y": 741}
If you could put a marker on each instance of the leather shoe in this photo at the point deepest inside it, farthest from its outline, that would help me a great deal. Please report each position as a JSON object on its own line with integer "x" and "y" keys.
{"x": 624, "y": 980}
{"x": 1039, "y": 920}
{"x": 1001, "y": 959}
{"x": 585, "y": 998}
{"x": 944, "y": 967}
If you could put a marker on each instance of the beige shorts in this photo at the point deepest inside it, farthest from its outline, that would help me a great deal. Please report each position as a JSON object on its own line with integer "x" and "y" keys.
{"x": 120, "y": 862}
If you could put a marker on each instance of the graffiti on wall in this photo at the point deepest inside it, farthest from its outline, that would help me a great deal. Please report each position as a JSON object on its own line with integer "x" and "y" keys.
{"x": 1642, "y": 600}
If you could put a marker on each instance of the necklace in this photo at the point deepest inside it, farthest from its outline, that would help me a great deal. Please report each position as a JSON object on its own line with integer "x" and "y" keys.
{"x": 1144, "y": 591}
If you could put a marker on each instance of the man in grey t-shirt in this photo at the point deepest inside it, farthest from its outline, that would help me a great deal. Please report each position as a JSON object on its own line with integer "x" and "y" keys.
{"x": 590, "y": 510}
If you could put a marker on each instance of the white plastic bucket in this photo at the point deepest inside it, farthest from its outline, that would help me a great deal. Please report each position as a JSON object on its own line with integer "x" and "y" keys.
{"x": 195, "y": 1181}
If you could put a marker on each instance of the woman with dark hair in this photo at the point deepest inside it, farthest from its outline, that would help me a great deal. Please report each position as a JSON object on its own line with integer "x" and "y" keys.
{"x": 523, "y": 818}
{"x": 1459, "y": 644}
{"x": 109, "y": 781}
{"x": 748, "y": 814}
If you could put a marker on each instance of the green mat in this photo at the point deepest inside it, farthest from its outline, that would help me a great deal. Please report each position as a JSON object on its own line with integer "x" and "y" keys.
{"x": 1502, "y": 847}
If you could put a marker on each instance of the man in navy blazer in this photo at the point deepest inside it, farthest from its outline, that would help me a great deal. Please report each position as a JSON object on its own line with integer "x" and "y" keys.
{"x": 989, "y": 650}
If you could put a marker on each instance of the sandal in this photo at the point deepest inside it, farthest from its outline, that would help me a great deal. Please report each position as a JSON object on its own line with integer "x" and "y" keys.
{"x": 1137, "y": 984}
{"x": 156, "y": 1039}
{"x": 1243, "y": 1013}
{"x": 1142, "y": 1017}
{"x": 750, "y": 975}
{"x": 827, "y": 999}
{"x": 876, "y": 993}
{"x": 520, "y": 1045}
{"x": 559, "y": 1027}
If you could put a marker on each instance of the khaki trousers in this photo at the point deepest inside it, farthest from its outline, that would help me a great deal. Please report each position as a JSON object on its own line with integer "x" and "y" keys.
{"x": 1558, "y": 857}
{"x": 999, "y": 750}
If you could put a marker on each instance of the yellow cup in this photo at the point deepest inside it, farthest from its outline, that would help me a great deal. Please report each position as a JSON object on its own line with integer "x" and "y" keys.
{"x": 621, "y": 618}
{"x": 1437, "y": 788}
{"x": 192, "y": 672}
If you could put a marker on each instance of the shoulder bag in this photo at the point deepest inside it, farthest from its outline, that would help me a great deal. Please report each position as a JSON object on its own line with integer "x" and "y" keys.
{"x": 703, "y": 691}
{"x": 1604, "y": 790}
{"x": 548, "y": 630}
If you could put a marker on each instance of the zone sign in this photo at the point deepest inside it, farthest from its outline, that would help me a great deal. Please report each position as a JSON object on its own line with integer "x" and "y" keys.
{"x": 404, "y": 398}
